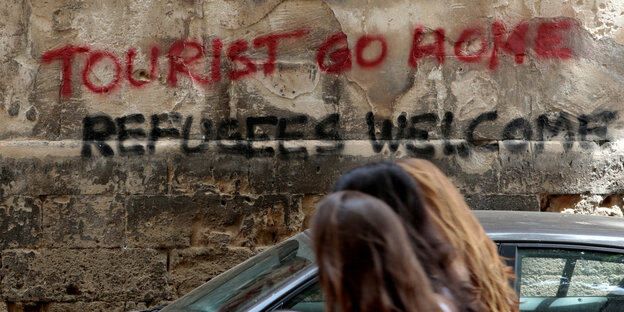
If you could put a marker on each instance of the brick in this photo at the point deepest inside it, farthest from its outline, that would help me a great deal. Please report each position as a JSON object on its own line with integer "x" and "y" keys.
{"x": 20, "y": 222}
{"x": 83, "y": 221}
{"x": 110, "y": 275}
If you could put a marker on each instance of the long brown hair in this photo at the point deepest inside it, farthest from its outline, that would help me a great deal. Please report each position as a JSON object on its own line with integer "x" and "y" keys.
{"x": 394, "y": 186}
{"x": 487, "y": 273}
{"x": 360, "y": 246}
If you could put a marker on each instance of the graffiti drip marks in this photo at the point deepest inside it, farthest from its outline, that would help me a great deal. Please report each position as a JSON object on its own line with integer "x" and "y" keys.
{"x": 413, "y": 133}
{"x": 333, "y": 56}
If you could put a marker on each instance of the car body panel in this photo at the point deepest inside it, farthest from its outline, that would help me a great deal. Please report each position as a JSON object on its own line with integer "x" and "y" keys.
{"x": 548, "y": 227}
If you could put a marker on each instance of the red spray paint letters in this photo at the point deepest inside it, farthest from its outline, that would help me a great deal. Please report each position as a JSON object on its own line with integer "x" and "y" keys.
{"x": 333, "y": 56}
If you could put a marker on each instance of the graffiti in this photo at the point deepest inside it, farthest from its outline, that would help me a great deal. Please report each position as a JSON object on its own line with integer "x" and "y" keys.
{"x": 333, "y": 56}
{"x": 101, "y": 128}
{"x": 180, "y": 62}
{"x": 411, "y": 132}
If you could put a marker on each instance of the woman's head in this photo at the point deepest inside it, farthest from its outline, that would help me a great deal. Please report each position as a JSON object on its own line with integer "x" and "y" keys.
{"x": 360, "y": 246}
{"x": 441, "y": 196}
{"x": 476, "y": 252}
{"x": 394, "y": 186}
{"x": 389, "y": 183}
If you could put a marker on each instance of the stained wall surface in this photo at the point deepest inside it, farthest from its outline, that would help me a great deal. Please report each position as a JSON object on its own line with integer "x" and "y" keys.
{"x": 146, "y": 146}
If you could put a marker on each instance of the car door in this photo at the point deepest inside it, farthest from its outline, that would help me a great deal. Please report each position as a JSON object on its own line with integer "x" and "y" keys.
{"x": 550, "y": 277}
{"x": 561, "y": 278}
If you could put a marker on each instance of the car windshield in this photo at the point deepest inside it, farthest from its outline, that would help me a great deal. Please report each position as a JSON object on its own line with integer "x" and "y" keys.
{"x": 242, "y": 286}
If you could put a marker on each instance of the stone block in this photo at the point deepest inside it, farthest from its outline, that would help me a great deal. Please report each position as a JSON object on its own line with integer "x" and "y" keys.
{"x": 317, "y": 174}
{"x": 20, "y": 222}
{"x": 261, "y": 176}
{"x": 18, "y": 70}
{"x": 36, "y": 176}
{"x": 308, "y": 206}
{"x": 183, "y": 221}
{"x": 556, "y": 168}
{"x": 266, "y": 220}
{"x": 83, "y": 221}
{"x": 70, "y": 175}
{"x": 139, "y": 175}
{"x": 503, "y": 202}
{"x": 166, "y": 221}
{"x": 86, "y": 306}
{"x": 209, "y": 173}
{"x": 25, "y": 306}
{"x": 89, "y": 275}
{"x": 312, "y": 175}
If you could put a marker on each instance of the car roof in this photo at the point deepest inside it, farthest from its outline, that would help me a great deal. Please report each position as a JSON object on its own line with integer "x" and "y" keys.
{"x": 550, "y": 227}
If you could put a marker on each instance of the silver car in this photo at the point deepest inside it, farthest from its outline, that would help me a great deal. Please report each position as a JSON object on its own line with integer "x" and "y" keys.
{"x": 563, "y": 262}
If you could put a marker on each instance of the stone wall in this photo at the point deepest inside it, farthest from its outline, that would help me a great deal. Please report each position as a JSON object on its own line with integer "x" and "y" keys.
{"x": 147, "y": 146}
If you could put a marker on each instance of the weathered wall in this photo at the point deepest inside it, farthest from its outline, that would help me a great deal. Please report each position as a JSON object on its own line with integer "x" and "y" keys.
{"x": 145, "y": 146}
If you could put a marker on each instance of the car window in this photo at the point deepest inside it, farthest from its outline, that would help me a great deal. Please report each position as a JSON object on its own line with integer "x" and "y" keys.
{"x": 241, "y": 287}
{"x": 597, "y": 278}
{"x": 541, "y": 276}
{"x": 570, "y": 280}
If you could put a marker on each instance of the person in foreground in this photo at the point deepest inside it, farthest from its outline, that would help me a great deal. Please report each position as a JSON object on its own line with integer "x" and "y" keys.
{"x": 461, "y": 261}
{"x": 360, "y": 246}
{"x": 477, "y": 253}
{"x": 395, "y": 187}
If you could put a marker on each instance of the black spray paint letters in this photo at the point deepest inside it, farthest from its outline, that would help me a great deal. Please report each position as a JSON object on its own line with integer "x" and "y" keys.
{"x": 515, "y": 135}
{"x": 412, "y": 132}
{"x": 101, "y": 128}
